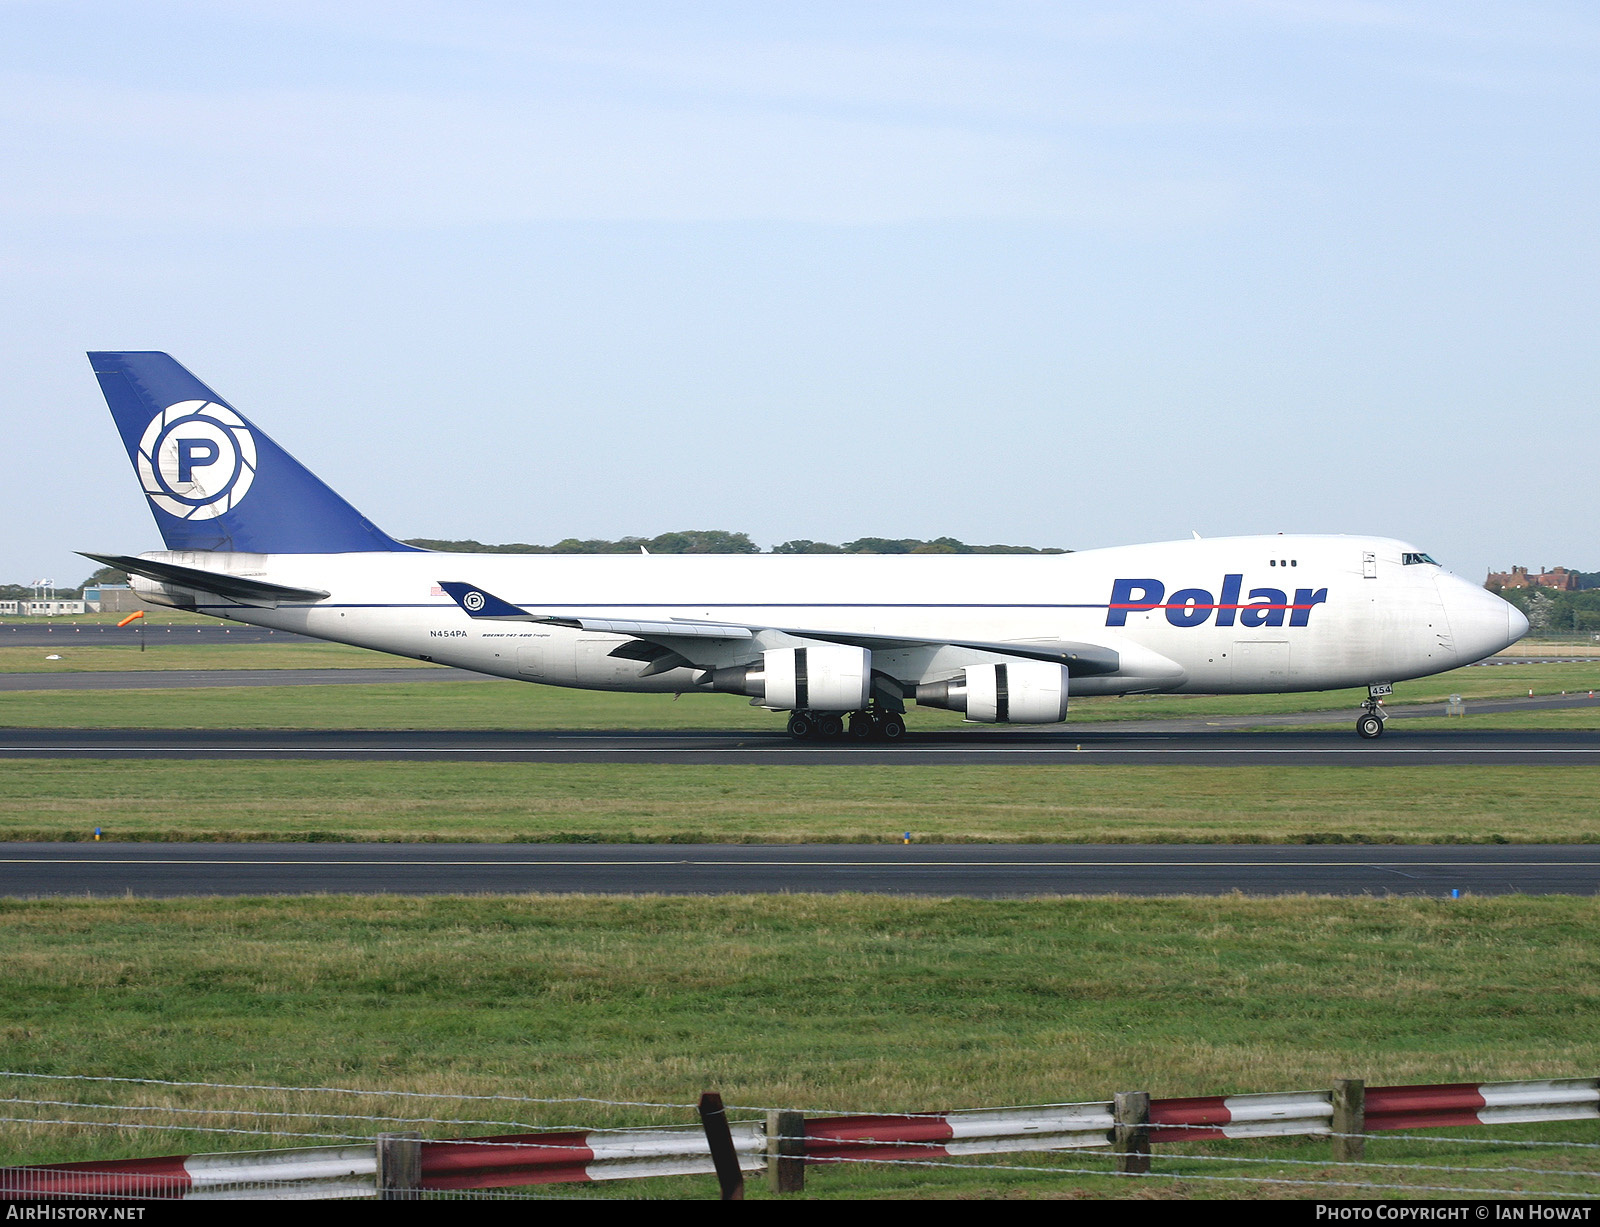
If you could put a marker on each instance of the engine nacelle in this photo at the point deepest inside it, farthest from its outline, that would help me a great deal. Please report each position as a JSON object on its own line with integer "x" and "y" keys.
{"x": 1017, "y": 692}
{"x": 827, "y": 677}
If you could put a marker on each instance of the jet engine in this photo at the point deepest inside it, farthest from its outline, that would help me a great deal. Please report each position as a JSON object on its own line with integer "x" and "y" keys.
{"x": 1017, "y": 692}
{"x": 827, "y": 677}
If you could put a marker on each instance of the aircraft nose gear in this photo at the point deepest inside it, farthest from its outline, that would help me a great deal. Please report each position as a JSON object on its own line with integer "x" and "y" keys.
{"x": 1370, "y": 723}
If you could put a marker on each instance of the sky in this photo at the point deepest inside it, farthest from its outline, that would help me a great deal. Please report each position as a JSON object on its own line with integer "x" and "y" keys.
{"x": 1077, "y": 274}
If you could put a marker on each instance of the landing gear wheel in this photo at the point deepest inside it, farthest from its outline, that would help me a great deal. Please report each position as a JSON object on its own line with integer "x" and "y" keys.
{"x": 802, "y": 726}
{"x": 830, "y": 726}
{"x": 863, "y": 726}
{"x": 1370, "y": 726}
{"x": 892, "y": 727}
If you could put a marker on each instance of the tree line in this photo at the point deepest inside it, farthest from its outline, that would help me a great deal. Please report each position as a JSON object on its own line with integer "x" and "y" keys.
{"x": 704, "y": 541}
{"x": 26, "y": 592}
{"x": 717, "y": 541}
{"x": 1559, "y": 613}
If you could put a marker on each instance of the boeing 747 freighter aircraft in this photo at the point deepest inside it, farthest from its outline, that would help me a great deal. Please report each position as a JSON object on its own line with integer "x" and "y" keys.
{"x": 836, "y": 641}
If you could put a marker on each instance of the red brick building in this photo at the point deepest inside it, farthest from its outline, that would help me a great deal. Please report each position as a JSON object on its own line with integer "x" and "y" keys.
{"x": 1558, "y": 578}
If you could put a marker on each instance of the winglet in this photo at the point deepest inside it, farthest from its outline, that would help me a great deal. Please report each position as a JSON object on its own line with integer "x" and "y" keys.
{"x": 477, "y": 603}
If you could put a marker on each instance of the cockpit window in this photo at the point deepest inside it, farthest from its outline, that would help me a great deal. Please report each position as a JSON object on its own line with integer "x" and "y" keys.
{"x": 1411, "y": 560}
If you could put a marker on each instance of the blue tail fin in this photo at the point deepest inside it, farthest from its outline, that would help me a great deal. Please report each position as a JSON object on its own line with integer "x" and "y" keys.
{"x": 215, "y": 481}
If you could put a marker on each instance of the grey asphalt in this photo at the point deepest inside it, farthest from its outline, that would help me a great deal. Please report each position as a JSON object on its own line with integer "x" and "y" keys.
{"x": 1346, "y": 715}
{"x": 974, "y": 870}
{"x": 1093, "y": 744}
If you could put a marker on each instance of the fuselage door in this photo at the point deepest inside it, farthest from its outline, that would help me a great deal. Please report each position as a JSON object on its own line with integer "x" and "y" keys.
{"x": 1369, "y": 566}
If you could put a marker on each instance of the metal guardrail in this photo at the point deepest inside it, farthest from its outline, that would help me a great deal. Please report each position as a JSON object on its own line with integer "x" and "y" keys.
{"x": 1349, "y": 1112}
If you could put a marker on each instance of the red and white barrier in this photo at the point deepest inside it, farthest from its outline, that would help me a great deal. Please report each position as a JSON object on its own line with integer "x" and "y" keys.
{"x": 1290, "y": 1114}
{"x": 302, "y": 1174}
{"x": 591, "y": 1155}
{"x": 988, "y": 1132}
{"x": 1064, "y": 1126}
{"x": 555, "y": 1158}
{"x": 1486, "y": 1103}
{"x": 351, "y": 1171}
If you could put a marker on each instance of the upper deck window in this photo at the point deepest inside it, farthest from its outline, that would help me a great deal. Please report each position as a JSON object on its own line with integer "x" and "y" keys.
{"x": 1411, "y": 560}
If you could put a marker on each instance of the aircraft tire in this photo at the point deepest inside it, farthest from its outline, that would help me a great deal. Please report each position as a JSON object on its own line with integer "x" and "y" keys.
{"x": 862, "y": 726}
{"x": 802, "y": 727}
{"x": 830, "y": 726}
{"x": 1369, "y": 726}
{"x": 893, "y": 727}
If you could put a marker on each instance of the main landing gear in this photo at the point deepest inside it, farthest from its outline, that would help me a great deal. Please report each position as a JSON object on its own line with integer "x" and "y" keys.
{"x": 1370, "y": 723}
{"x": 870, "y": 725}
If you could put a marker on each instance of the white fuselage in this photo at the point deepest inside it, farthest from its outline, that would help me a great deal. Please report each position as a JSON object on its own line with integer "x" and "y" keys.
{"x": 1232, "y": 615}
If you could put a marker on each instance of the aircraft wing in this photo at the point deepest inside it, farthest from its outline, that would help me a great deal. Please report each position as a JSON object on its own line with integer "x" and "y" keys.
{"x": 476, "y": 603}
{"x": 1081, "y": 659}
{"x": 240, "y": 588}
{"x": 677, "y": 634}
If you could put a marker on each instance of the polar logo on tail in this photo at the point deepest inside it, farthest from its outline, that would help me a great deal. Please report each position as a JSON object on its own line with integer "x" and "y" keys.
{"x": 473, "y": 602}
{"x": 196, "y": 460}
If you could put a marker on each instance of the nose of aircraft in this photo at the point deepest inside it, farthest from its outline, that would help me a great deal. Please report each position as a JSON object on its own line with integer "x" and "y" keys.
{"x": 1519, "y": 623}
{"x": 1480, "y": 621}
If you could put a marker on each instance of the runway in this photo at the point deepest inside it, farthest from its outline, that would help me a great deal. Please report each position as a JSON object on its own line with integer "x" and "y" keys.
{"x": 972, "y": 870}
{"x": 1093, "y": 744}
{"x": 203, "y": 679}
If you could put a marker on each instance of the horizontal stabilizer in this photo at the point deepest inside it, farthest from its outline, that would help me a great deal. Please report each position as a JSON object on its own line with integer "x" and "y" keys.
{"x": 240, "y": 588}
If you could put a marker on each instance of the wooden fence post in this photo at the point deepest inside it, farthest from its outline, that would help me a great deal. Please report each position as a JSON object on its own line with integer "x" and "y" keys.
{"x": 1349, "y": 1119}
{"x": 786, "y": 1151}
{"x": 1130, "y": 1138}
{"x": 400, "y": 1166}
{"x": 714, "y": 1120}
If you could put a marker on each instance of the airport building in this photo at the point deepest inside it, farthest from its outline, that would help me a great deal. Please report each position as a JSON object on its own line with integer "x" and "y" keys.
{"x": 111, "y": 598}
{"x": 1558, "y": 578}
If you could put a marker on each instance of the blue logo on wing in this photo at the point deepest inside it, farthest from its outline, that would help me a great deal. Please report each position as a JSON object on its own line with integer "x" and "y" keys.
{"x": 480, "y": 604}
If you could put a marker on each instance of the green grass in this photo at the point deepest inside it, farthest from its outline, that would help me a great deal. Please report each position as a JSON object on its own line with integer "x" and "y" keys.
{"x": 390, "y": 705}
{"x": 519, "y": 705}
{"x": 839, "y": 1003}
{"x": 173, "y": 652}
{"x": 514, "y": 801}
{"x": 546, "y": 802}
{"x": 855, "y": 1003}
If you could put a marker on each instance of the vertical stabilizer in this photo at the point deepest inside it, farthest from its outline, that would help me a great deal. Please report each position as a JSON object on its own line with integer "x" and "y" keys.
{"x": 214, "y": 480}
